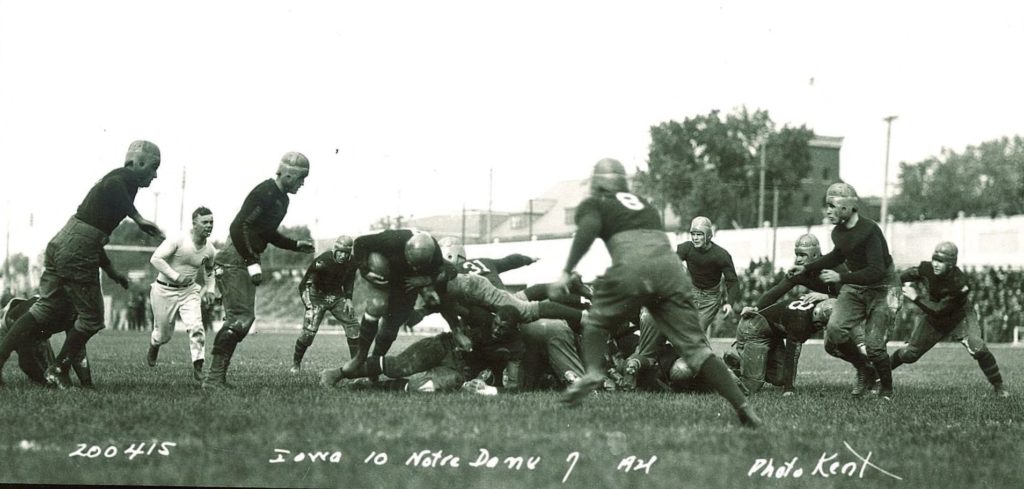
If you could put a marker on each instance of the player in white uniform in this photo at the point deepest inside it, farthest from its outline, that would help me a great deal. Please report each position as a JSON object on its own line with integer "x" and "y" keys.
{"x": 176, "y": 296}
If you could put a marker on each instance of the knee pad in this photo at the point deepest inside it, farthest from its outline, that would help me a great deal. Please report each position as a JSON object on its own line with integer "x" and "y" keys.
{"x": 752, "y": 327}
{"x": 752, "y": 361}
{"x": 376, "y": 306}
{"x": 306, "y": 338}
{"x": 226, "y": 341}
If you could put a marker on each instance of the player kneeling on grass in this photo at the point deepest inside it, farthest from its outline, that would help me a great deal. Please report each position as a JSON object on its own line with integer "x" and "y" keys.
{"x": 947, "y": 313}
{"x": 771, "y": 334}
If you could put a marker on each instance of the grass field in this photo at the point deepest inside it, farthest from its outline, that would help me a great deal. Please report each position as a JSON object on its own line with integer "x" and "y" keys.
{"x": 155, "y": 426}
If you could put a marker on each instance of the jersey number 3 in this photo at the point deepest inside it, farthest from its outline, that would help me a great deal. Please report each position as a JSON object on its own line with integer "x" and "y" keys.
{"x": 629, "y": 201}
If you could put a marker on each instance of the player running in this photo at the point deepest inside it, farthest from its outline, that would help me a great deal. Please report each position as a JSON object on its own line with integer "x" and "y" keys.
{"x": 69, "y": 284}
{"x": 238, "y": 263}
{"x": 644, "y": 272}
{"x": 869, "y": 295}
{"x": 176, "y": 296}
{"x": 710, "y": 267}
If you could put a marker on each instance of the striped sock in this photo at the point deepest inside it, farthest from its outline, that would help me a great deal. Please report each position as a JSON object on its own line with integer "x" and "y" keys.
{"x": 987, "y": 362}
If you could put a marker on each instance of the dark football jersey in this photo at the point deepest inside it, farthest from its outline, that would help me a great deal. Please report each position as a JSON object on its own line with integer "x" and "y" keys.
{"x": 330, "y": 277}
{"x": 622, "y": 211}
{"x": 947, "y": 293}
{"x": 792, "y": 318}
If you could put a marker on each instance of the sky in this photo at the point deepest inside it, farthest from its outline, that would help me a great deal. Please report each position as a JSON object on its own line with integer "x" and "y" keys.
{"x": 420, "y": 108}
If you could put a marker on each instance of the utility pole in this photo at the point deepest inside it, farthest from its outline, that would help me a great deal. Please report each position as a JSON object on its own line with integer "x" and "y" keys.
{"x": 775, "y": 220}
{"x": 885, "y": 185}
{"x": 531, "y": 220}
{"x": 181, "y": 210}
{"x": 490, "y": 201}
{"x": 760, "y": 193}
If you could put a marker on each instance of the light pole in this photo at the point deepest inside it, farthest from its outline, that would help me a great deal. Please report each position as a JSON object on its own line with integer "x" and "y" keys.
{"x": 885, "y": 185}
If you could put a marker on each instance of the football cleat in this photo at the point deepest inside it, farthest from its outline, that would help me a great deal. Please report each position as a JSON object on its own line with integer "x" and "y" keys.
{"x": 57, "y": 377}
{"x": 477, "y": 386}
{"x": 151, "y": 355}
{"x": 1001, "y": 392}
{"x": 296, "y": 367}
{"x": 885, "y": 394}
{"x": 575, "y": 393}
{"x": 748, "y": 417}
{"x": 197, "y": 370}
{"x": 866, "y": 377}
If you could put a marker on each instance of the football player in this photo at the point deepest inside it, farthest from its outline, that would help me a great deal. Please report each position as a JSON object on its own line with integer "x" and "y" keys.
{"x": 644, "y": 273}
{"x": 177, "y": 296}
{"x": 394, "y": 265}
{"x": 238, "y": 263}
{"x": 710, "y": 267}
{"x": 869, "y": 295}
{"x": 35, "y": 355}
{"x": 69, "y": 284}
{"x": 947, "y": 313}
{"x": 327, "y": 286}
{"x": 770, "y": 335}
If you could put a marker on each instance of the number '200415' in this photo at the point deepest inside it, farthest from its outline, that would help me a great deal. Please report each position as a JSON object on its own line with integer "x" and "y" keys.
{"x": 133, "y": 450}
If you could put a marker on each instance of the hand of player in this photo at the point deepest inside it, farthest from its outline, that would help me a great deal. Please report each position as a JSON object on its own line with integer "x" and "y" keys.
{"x": 829, "y": 276}
{"x": 796, "y": 270}
{"x": 347, "y": 307}
{"x": 559, "y": 289}
{"x": 413, "y": 283}
{"x": 748, "y": 312}
{"x": 150, "y": 228}
{"x": 726, "y": 310}
{"x": 117, "y": 277}
{"x": 304, "y": 246}
{"x": 208, "y": 297}
{"x": 910, "y": 292}
{"x": 376, "y": 278}
{"x": 534, "y": 259}
{"x": 813, "y": 297}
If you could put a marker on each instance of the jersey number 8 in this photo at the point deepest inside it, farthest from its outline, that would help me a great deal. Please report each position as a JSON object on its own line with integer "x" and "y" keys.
{"x": 801, "y": 306}
{"x": 629, "y": 201}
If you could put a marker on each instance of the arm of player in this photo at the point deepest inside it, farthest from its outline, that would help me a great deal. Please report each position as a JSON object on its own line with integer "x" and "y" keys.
{"x": 732, "y": 285}
{"x": 512, "y": 262}
{"x": 108, "y": 268}
{"x": 243, "y": 230}
{"x": 775, "y": 293}
{"x": 147, "y": 226}
{"x": 159, "y": 261}
{"x": 209, "y": 291}
{"x": 944, "y": 307}
{"x": 588, "y": 228}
